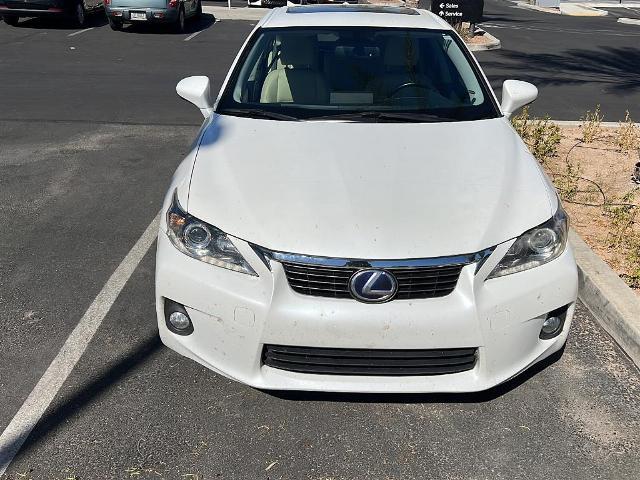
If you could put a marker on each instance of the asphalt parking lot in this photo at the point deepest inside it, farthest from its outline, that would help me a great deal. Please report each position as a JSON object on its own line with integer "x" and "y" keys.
{"x": 576, "y": 62}
{"x": 90, "y": 133}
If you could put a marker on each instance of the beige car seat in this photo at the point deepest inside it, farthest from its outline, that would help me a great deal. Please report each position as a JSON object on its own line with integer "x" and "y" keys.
{"x": 298, "y": 81}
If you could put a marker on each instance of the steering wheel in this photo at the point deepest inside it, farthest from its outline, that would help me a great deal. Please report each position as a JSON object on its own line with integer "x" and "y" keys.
{"x": 408, "y": 85}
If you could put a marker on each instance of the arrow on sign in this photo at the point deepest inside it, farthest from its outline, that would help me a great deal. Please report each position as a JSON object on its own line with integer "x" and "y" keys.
{"x": 442, "y": 5}
{"x": 441, "y": 13}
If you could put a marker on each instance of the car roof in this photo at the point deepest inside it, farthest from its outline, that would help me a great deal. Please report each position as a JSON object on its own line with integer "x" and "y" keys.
{"x": 349, "y": 15}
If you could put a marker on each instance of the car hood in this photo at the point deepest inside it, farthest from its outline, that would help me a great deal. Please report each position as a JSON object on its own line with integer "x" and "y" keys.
{"x": 368, "y": 190}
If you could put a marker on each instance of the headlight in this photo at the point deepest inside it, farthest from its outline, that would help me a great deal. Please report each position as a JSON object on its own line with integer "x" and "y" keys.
{"x": 535, "y": 247}
{"x": 202, "y": 241}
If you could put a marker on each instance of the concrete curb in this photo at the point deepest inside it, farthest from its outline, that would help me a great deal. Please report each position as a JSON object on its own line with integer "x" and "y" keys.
{"x": 581, "y": 10}
{"x": 530, "y": 6}
{"x": 629, "y": 21}
{"x": 492, "y": 44}
{"x": 236, "y": 13}
{"x": 577, "y": 123}
{"x": 613, "y": 5}
{"x": 614, "y": 305}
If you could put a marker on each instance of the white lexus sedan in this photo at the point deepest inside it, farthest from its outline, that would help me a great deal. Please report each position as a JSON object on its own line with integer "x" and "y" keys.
{"x": 357, "y": 214}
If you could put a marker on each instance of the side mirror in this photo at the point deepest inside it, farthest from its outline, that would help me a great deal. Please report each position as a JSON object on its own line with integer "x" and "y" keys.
{"x": 516, "y": 94}
{"x": 196, "y": 91}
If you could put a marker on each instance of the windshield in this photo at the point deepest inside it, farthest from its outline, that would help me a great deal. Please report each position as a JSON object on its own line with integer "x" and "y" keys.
{"x": 368, "y": 72}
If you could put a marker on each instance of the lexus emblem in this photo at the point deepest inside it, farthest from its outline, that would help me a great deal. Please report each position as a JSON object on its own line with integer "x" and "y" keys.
{"x": 373, "y": 286}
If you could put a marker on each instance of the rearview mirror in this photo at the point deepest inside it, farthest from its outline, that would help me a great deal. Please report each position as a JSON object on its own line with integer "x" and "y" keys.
{"x": 196, "y": 91}
{"x": 516, "y": 94}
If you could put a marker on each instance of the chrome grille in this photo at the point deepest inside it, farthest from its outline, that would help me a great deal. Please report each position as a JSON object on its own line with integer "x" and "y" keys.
{"x": 319, "y": 281}
{"x": 332, "y": 281}
{"x": 355, "y": 361}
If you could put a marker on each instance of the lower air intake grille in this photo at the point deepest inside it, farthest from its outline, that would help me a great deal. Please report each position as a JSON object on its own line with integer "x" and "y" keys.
{"x": 347, "y": 361}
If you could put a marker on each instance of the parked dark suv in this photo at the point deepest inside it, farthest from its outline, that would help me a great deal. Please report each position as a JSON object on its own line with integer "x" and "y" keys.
{"x": 75, "y": 10}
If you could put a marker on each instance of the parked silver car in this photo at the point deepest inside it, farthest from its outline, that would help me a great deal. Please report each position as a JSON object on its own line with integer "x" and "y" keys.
{"x": 174, "y": 12}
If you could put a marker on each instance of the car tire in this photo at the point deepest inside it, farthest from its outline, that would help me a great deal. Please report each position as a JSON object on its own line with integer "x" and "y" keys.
{"x": 11, "y": 20}
{"x": 178, "y": 26}
{"x": 79, "y": 15}
{"x": 115, "y": 24}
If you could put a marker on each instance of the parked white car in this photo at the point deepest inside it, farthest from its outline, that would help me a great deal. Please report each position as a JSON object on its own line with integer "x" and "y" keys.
{"x": 357, "y": 214}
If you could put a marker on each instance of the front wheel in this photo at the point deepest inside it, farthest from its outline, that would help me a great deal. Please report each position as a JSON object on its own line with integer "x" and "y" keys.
{"x": 11, "y": 20}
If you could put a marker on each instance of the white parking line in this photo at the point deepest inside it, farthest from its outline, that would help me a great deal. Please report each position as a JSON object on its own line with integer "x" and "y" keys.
{"x": 80, "y": 31}
{"x": 193, "y": 35}
{"x": 44, "y": 392}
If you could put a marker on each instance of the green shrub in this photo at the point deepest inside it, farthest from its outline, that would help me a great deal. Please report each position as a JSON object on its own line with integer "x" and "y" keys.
{"x": 591, "y": 125}
{"x": 542, "y": 136}
{"x": 622, "y": 213}
{"x": 627, "y": 137}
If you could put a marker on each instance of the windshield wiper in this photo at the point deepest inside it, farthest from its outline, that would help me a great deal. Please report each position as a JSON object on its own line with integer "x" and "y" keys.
{"x": 379, "y": 116}
{"x": 257, "y": 113}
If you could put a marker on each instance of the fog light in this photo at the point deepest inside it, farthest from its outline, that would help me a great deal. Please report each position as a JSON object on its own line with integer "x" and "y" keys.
{"x": 551, "y": 325}
{"x": 180, "y": 321}
{"x": 116, "y": 14}
{"x": 177, "y": 318}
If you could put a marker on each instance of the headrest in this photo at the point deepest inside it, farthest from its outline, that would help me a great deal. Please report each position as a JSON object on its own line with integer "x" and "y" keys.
{"x": 401, "y": 51}
{"x": 298, "y": 51}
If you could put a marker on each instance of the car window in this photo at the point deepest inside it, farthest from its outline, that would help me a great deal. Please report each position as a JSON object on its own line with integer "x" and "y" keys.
{"x": 322, "y": 72}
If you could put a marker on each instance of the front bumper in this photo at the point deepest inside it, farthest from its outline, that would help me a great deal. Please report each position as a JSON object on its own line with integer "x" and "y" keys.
{"x": 235, "y": 315}
{"x": 152, "y": 15}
